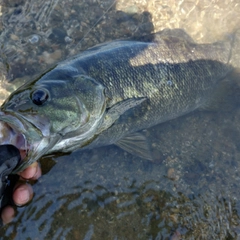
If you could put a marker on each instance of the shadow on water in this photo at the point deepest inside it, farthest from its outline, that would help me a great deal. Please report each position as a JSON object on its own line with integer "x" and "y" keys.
{"x": 190, "y": 191}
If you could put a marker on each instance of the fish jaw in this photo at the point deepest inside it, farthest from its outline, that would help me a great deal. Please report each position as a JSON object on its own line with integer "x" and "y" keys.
{"x": 23, "y": 135}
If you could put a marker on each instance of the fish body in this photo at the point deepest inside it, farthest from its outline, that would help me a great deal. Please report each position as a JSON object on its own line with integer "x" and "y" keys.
{"x": 106, "y": 94}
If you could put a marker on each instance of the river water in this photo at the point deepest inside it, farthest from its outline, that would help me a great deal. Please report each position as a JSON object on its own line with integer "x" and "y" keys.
{"x": 189, "y": 191}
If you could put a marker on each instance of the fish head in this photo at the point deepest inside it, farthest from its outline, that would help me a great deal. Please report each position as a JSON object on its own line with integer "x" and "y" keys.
{"x": 48, "y": 115}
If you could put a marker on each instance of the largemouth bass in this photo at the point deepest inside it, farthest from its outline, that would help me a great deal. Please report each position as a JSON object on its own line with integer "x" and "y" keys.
{"x": 109, "y": 92}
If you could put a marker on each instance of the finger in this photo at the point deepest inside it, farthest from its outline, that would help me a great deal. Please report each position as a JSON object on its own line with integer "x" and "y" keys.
{"x": 7, "y": 214}
{"x": 22, "y": 194}
{"x": 32, "y": 172}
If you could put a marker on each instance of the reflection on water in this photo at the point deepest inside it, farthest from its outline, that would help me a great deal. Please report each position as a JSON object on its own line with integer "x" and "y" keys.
{"x": 190, "y": 191}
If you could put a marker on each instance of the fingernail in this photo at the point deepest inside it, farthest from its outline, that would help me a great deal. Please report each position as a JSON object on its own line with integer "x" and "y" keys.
{"x": 24, "y": 196}
{"x": 29, "y": 172}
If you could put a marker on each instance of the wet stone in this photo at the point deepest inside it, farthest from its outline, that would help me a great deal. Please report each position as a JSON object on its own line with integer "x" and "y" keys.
{"x": 58, "y": 35}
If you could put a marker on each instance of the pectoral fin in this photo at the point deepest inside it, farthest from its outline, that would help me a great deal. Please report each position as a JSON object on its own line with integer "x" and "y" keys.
{"x": 136, "y": 144}
{"x": 119, "y": 109}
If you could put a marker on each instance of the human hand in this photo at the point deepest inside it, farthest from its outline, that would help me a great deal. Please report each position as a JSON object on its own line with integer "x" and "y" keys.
{"x": 23, "y": 192}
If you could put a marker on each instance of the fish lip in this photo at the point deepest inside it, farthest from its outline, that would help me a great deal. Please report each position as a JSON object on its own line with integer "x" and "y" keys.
{"x": 13, "y": 122}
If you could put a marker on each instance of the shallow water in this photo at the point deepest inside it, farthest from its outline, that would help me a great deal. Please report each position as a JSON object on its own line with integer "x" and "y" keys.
{"x": 190, "y": 191}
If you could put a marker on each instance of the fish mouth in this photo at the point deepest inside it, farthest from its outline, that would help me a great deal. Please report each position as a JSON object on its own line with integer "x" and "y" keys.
{"x": 10, "y": 136}
{"x": 16, "y": 131}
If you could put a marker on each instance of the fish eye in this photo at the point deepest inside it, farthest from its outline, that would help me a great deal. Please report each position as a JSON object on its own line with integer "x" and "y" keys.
{"x": 39, "y": 96}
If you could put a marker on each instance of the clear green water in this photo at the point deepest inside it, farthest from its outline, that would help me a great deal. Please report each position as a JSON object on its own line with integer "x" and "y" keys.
{"x": 190, "y": 191}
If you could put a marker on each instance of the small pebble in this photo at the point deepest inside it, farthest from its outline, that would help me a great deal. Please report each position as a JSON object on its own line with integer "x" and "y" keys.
{"x": 171, "y": 174}
{"x": 34, "y": 39}
{"x": 14, "y": 37}
{"x": 68, "y": 39}
{"x": 51, "y": 58}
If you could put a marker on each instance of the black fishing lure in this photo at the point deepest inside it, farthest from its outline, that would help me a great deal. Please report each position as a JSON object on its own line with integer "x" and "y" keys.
{"x": 9, "y": 159}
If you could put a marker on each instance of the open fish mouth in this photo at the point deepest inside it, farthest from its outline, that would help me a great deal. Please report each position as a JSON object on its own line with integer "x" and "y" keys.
{"x": 9, "y": 135}
{"x": 30, "y": 135}
{"x": 16, "y": 131}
